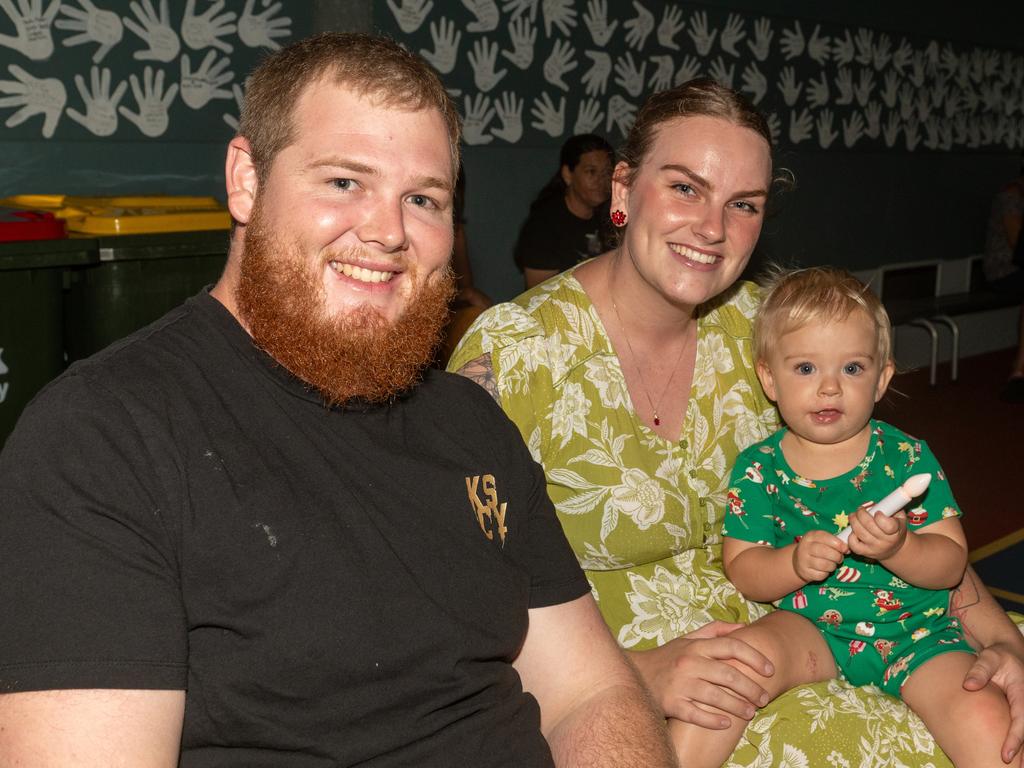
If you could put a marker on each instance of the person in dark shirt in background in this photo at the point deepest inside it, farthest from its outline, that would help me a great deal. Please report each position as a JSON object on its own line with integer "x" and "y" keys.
{"x": 1004, "y": 266}
{"x": 568, "y": 220}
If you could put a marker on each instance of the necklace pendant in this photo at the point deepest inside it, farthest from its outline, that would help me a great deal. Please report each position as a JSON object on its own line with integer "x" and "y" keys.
{"x": 657, "y": 421}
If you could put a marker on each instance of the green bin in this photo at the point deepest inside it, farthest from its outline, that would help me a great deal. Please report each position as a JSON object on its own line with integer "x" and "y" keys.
{"x": 32, "y": 275}
{"x": 137, "y": 279}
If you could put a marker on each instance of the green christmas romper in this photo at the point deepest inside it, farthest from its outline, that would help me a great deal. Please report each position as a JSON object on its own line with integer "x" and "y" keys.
{"x": 879, "y": 627}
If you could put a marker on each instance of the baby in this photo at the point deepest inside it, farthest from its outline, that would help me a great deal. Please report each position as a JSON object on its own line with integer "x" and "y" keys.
{"x": 874, "y": 609}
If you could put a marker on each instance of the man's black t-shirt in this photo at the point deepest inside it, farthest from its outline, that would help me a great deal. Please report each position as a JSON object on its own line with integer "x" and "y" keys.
{"x": 331, "y": 587}
{"x": 552, "y": 237}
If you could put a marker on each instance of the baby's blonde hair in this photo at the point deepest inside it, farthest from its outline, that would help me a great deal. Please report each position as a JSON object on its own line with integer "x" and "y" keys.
{"x": 792, "y": 298}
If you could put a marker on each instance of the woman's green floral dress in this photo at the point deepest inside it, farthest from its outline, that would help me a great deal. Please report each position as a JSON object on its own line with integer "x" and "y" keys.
{"x": 644, "y": 514}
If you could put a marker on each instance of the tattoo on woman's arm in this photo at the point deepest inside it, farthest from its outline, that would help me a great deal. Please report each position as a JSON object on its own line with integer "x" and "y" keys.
{"x": 481, "y": 371}
{"x": 963, "y": 597}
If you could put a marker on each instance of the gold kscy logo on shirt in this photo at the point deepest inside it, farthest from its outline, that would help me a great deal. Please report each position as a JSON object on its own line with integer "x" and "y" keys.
{"x": 490, "y": 514}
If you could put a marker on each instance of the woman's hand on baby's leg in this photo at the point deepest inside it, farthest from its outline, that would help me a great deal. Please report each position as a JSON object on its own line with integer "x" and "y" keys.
{"x": 691, "y": 674}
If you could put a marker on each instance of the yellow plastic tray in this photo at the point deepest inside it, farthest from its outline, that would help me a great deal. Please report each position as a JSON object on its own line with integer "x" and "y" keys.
{"x": 129, "y": 215}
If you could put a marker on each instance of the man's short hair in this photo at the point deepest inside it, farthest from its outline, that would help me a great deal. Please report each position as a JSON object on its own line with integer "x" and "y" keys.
{"x": 371, "y": 66}
{"x": 792, "y": 298}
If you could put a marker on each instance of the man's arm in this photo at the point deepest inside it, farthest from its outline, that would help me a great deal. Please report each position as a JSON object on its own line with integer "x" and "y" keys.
{"x": 594, "y": 710}
{"x": 1001, "y": 651}
{"x": 86, "y": 728}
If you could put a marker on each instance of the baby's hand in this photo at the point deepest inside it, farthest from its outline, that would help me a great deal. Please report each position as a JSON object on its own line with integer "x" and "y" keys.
{"x": 877, "y": 536}
{"x": 816, "y": 555}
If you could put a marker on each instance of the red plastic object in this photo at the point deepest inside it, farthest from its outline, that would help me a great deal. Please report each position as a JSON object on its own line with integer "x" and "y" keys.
{"x": 30, "y": 225}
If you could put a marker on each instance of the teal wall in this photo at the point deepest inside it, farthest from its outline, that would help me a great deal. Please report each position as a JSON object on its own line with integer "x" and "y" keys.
{"x": 858, "y": 205}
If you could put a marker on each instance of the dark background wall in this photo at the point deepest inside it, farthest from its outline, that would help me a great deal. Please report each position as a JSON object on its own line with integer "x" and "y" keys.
{"x": 859, "y": 204}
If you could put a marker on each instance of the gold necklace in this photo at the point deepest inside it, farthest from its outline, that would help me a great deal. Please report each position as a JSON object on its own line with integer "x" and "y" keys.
{"x": 640, "y": 374}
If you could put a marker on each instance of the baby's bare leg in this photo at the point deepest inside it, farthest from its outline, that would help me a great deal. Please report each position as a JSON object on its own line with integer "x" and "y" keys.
{"x": 969, "y": 725}
{"x": 800, "y": 655}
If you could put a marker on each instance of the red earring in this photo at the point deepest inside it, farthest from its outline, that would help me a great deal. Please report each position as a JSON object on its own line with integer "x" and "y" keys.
{"x": 618, "y": 218}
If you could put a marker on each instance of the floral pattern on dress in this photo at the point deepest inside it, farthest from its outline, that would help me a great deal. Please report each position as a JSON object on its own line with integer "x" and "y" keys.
{"x": 644, "y": 514}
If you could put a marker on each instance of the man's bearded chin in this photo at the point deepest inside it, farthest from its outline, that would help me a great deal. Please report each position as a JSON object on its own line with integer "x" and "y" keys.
{"x": 356, "y": 355}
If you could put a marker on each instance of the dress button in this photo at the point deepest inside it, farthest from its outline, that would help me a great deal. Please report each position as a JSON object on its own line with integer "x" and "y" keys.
{"x": 693, "y": 473}
{"x": 682, "y": 443}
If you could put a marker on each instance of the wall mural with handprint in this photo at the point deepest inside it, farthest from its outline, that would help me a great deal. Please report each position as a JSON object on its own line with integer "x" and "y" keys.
{"x": 534, "y": 72}
{"x": 146, "y": 69}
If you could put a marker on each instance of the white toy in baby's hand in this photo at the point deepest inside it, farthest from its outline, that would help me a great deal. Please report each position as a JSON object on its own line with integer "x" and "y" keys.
{"x": 914, "y": 486}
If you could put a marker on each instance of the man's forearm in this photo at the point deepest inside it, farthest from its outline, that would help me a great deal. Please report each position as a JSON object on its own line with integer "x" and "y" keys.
{"x": 619, "y": 726}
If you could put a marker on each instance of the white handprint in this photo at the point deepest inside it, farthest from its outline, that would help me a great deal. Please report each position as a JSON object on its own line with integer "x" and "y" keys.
{"x": 890, "y": 91}
{"x": 844, "y": 86}
{"x": 93, "y": 25}
{"x": 596, "y": 20}
{"x": 789, "y": 86}
{"x": 152, "y": 102}
{"x": 754, "y": 83}
{"x": 761, "y": 45}
{"x": 100, "y": 116}
{"x": 911, "y": 137}
{"x": 843, "y": 49}
{"x": 621, "y": 113}
{"x": 560, "y": 13}
{"x": 902, "y": 55}
{"x": 205, "y": 29}
{"x": 198, "y": 88}
{"x": 891, "y": 130}
{"x": 486, "y": 13}
{"x": 33, "y": 37}
{"x": 517, "y": 7}
{"x": 155, "y": 31}
{"x": 817, "y": 91}
{"x": 774, "y": 127}
{"x": 479, "y": 113}
{"x": 671, "y": 24}
{"x": 818, "y": 46}
{"x": 510, "y": 112}
{"x": 865, "y": 45}
{"x": 546, "y": 117}
{"x": 865, "y": 86}
{"x": 409, "y": 15}
{"x": 873, "y": 116}
{"x": 688, "y": 70}
{"x": 732, "y": 34}
{"x": 628, "y": 76}
{"x": 482, "y": 59}
{"x": 258, "y": 30}
{"x": 239, "y": 94}
{"x": 826, "y": 134}
{"x": 523, "y": 35}
{"x": 446, "y": 46}
{"x": 882, "y": 53}
{"x": 589, "y": 116}
{"x": 640, "y": 27}
{"x": 596, "y": 78}
{"x": 33, "y": 96}
{"x": 702, "y": 38}
{"x": 792, "y": 42}
{"x": 721, "y": 73}
{"x": 561, "y": 61}
{"x": 853, "y": 129}
{"x": 800, "y": 126}
{"x": 664, "y": 70}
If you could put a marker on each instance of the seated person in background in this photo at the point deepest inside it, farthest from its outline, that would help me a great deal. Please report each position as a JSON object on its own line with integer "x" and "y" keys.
{"x": 631, "y": 377}
{"x": 260, "y": 533}
{"x": 1004, "y": 265}
{"x": 568, "y": 220}
{"x": 468, "y": 294}
{"x": 873, "y": 610}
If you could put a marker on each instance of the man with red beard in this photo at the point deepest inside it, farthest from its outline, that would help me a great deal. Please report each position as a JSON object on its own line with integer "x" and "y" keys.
{"x": 260, "y": 532}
